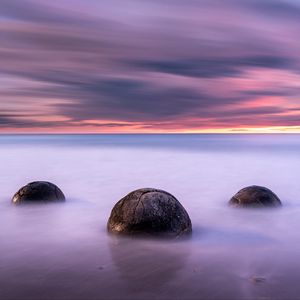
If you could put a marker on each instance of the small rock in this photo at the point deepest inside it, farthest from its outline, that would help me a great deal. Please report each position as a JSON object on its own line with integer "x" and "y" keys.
{"x": 149, "y": 212}
{"x": 255, "y": 196}
{"x": 257, "y": 280}
{"x": 38, "y": 191}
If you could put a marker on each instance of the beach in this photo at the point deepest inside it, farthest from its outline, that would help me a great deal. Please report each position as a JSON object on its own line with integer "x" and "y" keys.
{"x": 63, "y": 250}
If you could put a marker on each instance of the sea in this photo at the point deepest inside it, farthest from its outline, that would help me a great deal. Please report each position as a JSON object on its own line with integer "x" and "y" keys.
{"x": 63, "y": 251}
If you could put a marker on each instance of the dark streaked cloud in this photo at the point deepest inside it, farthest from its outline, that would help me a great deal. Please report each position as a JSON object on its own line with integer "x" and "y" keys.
{"x": 212, "y": 67}
{"x": 121, "y": 99}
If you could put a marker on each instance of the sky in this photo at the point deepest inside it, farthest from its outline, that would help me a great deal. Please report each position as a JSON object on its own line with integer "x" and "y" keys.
{"x": 149, "y": 66}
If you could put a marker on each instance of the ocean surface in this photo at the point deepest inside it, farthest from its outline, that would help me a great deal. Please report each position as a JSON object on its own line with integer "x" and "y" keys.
{"x": 62, "y": 251}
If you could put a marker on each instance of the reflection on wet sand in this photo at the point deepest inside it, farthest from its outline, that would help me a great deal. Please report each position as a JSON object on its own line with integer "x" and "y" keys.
{"x": 147, "y": 264}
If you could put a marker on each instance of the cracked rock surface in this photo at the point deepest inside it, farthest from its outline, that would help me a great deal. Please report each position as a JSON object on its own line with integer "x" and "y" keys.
{"x": 38, "y": 191}
{"x": 149, "y": 211}
{"x": 255, "y": 196}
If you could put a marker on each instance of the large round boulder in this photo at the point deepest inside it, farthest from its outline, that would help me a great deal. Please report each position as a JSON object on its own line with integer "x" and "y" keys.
{"x": 38, "y": 191}
{"x": 149, "y": 211}
{"x": 255, "y": 196}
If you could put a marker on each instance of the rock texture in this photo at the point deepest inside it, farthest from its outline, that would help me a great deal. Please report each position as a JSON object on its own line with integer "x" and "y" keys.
{"x": 38, "y": 191}
{"x": 255, "y": 196}
{"x": 149, "y": 212}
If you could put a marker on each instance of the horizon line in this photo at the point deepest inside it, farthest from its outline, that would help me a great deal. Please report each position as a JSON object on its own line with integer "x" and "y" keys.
{"x": 230, "y": 130}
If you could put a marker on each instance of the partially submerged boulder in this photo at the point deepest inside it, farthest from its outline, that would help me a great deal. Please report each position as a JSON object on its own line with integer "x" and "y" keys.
{"x": 255, "y": 196}
{"x": 38, "y": 191}
{"x": 149, "y": 211}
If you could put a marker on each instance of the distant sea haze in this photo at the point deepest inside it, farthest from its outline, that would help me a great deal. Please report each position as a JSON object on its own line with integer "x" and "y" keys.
{"x": 63, "y": 251}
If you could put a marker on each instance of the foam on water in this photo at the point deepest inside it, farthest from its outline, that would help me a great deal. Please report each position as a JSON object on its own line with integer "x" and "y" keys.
{"x": 62, "y": 251}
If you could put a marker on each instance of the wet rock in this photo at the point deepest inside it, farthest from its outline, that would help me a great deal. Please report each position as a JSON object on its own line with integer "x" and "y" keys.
{"x": 149, "y": 212}
{"x": 255, "y": 196}
{"x": 257, "y": 280}
{"x": 38, "y": 191}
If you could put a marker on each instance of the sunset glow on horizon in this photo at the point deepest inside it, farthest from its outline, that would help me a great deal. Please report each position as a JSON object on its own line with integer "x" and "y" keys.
{"x": 132, "y": 66}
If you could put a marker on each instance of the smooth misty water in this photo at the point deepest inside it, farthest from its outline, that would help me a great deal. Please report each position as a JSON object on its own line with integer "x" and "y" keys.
{"x": 62, "y": 251}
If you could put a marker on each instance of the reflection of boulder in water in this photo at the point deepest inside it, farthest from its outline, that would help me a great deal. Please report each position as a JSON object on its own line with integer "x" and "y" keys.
{"x": 147, "y": 264}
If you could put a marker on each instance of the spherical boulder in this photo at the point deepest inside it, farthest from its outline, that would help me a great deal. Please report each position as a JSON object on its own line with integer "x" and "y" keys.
{"x": 255, "y": 196}
{"x": 149, "y": 212}
{"x": 38, "y": 191}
